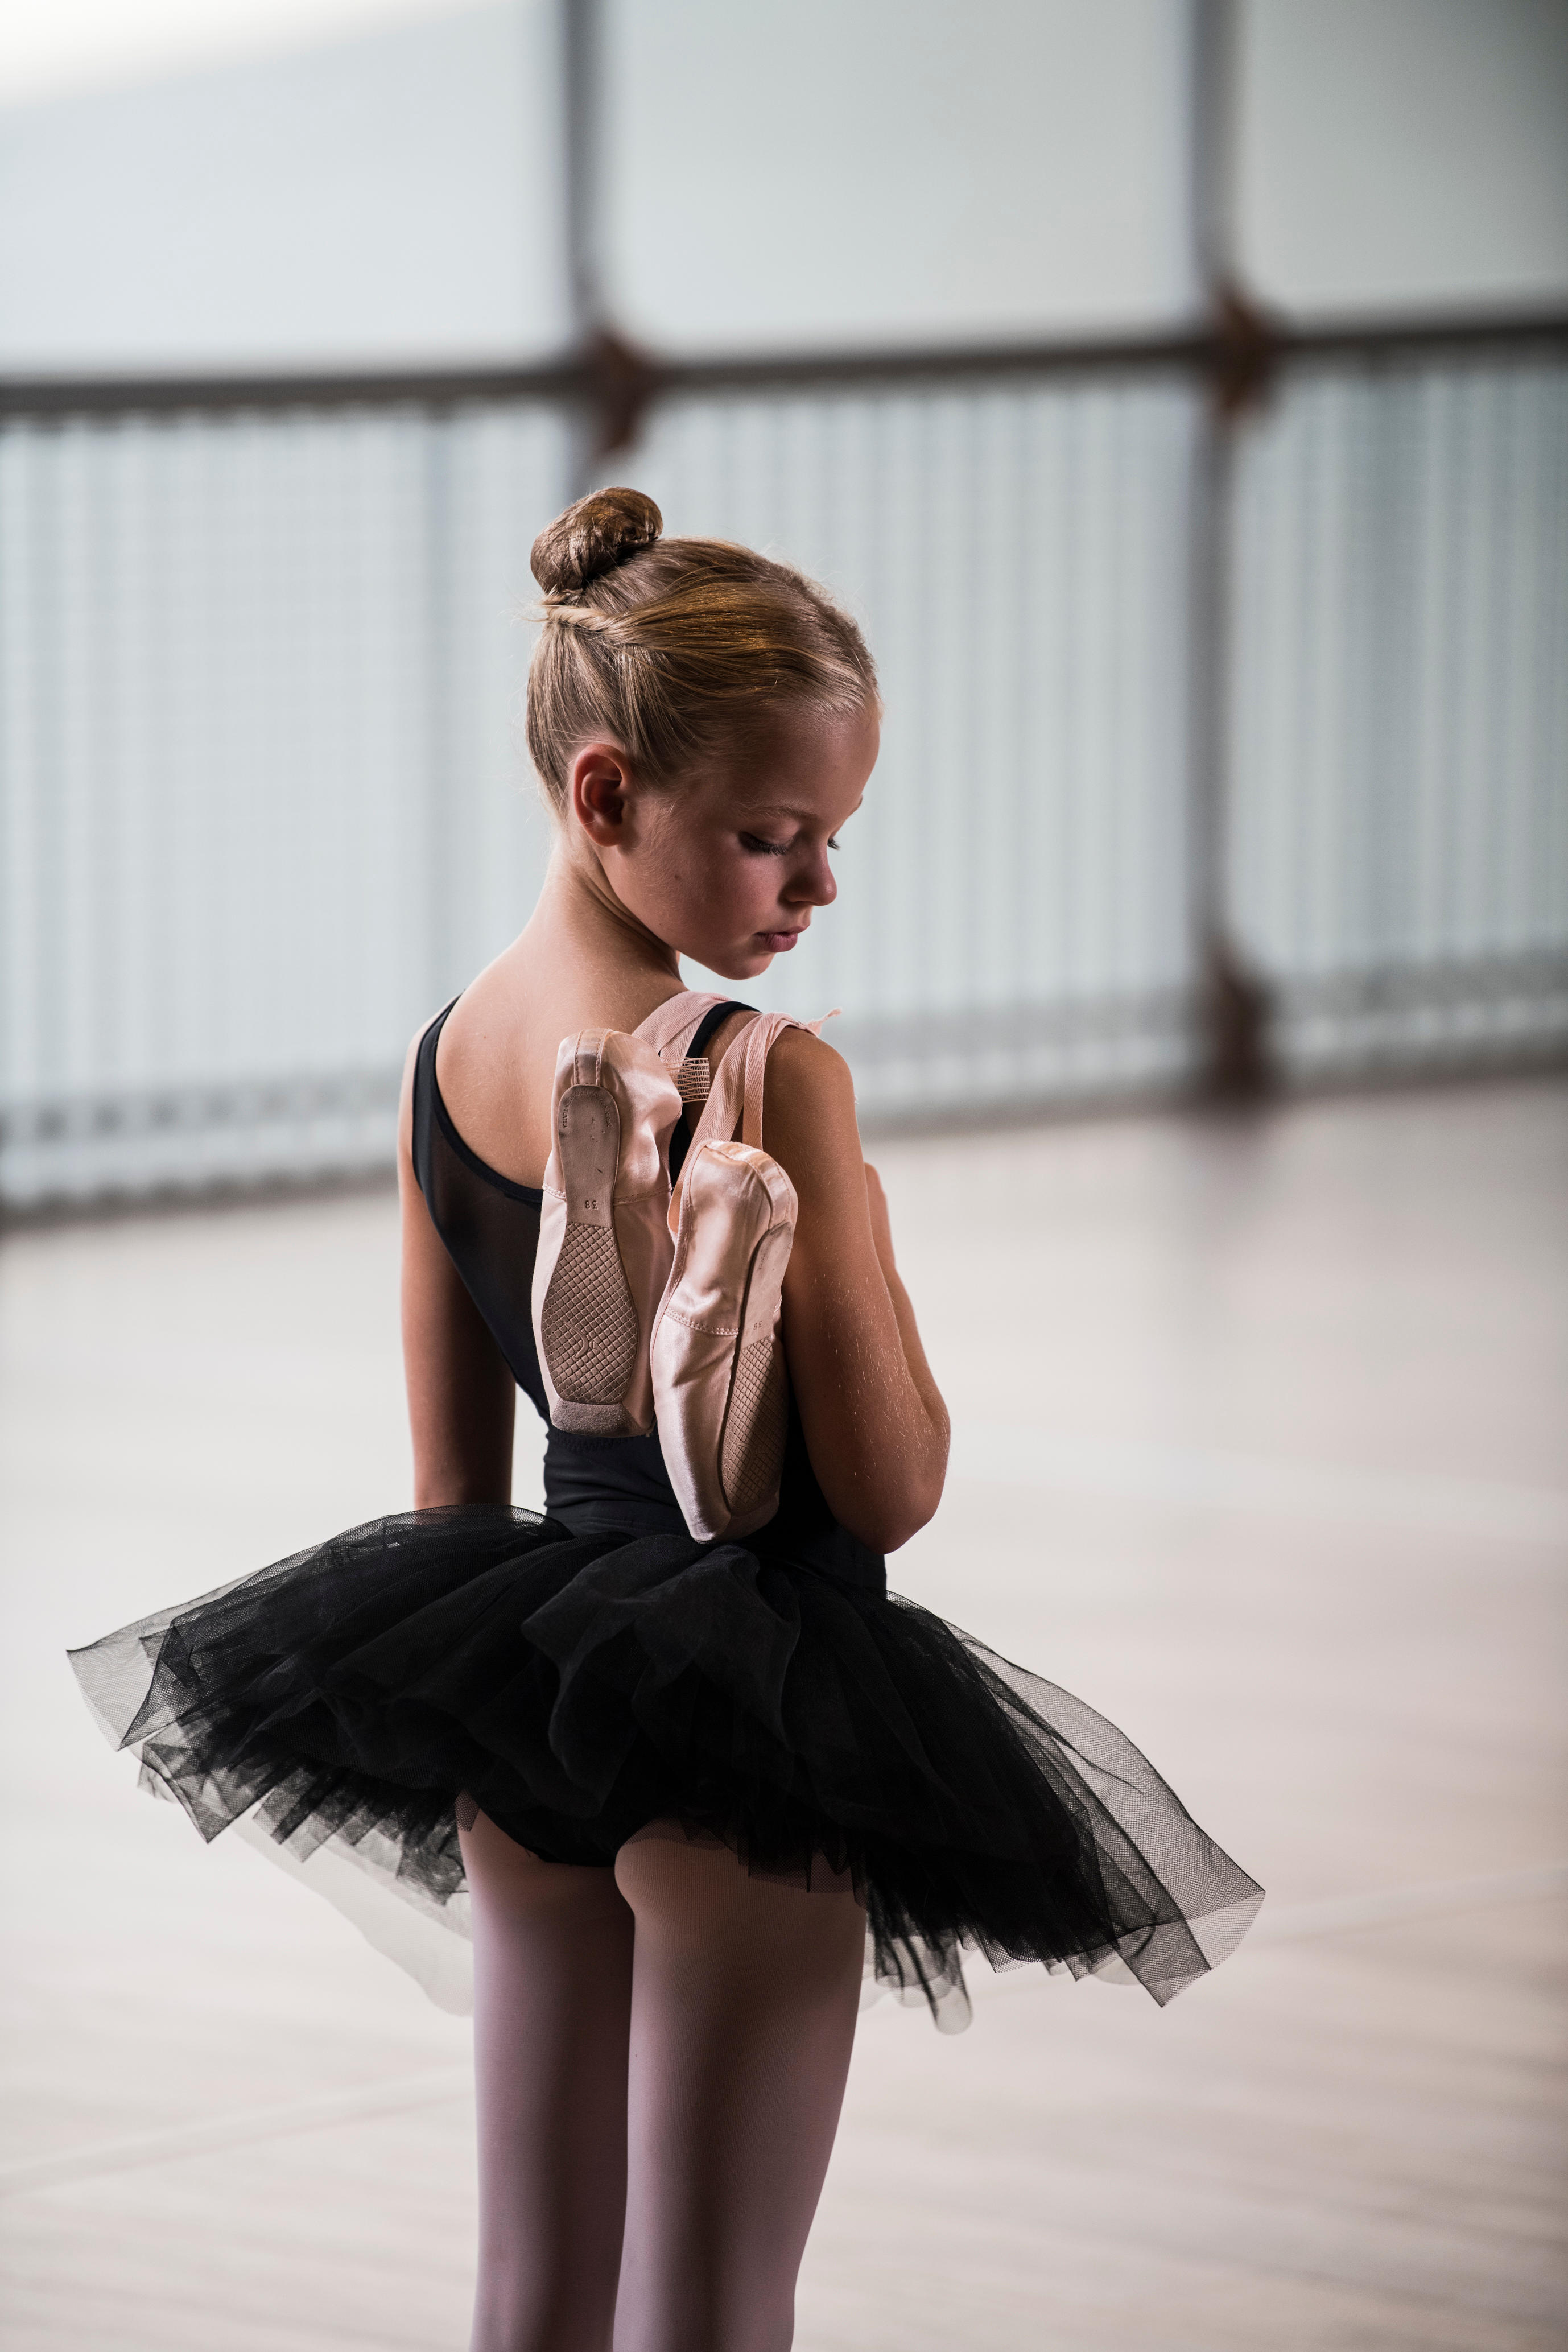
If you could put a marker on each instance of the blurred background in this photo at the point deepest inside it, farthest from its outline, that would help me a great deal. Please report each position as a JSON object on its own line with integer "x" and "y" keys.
{"x": 1177, "y": 390}
{"x": 1178, "y": 393}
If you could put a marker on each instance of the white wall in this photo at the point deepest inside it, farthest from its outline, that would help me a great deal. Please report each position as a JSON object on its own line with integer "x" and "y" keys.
{"x": 869, "y": 171}
{"x": 1404, "y": 154}
{"x": 778, "y": 172}
{"x": 47, "y": 46}
{"x": 388, "y": 198}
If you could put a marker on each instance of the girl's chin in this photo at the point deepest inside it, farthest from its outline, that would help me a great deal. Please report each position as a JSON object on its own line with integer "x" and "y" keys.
{"x": 736, "y": 960}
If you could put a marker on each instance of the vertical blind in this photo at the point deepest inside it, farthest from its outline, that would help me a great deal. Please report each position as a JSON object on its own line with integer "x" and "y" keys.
{"x": 264, "y": 804}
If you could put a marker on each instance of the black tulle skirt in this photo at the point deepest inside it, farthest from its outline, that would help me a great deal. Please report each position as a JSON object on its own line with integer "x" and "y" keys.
{"x": 580, "y": 1687}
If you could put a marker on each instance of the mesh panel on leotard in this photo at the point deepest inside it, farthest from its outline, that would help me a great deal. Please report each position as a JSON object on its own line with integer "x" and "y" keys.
{"x": 488, "y": 1225}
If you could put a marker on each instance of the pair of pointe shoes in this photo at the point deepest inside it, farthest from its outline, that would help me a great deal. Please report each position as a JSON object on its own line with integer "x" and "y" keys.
{"x": 653, "y": 1301}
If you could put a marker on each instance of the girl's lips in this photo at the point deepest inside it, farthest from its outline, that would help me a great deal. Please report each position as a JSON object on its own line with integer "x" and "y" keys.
{"x": 780, "y": 942}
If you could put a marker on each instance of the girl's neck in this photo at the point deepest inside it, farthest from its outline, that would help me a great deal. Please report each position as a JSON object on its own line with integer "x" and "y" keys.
{"x": 583, "y": 961}
{"x": 578, "y": 916}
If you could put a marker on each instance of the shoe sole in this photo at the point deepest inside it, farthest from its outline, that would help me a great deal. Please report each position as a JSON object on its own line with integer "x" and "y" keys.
{"x": 588, "y": 1322}
{"x": 756, "y": 1414}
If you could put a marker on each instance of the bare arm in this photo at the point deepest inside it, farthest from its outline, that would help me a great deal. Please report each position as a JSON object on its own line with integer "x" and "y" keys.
{"x": 875, "y": 1422}
{"x": 461, "y": 1397}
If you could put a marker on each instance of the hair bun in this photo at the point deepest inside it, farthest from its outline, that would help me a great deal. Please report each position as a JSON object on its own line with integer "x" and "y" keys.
{"x": 591, "y": 538}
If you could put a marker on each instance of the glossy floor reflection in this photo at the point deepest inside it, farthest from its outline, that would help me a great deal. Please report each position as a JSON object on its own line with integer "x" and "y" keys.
{"x": 1259, "y": 1448}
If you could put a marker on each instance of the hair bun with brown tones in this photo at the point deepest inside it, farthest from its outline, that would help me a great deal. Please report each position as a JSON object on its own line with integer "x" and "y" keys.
{"x": 591, "y": 538}
{"x": 682, "y": 651}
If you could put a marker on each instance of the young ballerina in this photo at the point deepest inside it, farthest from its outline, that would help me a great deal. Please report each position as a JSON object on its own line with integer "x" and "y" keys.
{"x": 678, "y": 1780}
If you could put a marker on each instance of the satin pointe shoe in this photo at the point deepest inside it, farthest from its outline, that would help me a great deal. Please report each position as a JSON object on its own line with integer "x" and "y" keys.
{"x": 604, "y": 1245}
{"x": 720, "y": 1388}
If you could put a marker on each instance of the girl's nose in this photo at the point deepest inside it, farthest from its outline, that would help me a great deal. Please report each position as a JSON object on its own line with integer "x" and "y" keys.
{"x": 813, "y": 884}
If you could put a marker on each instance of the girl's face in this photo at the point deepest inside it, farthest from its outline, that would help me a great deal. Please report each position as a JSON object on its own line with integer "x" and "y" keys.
{"x": 726, "y": 867}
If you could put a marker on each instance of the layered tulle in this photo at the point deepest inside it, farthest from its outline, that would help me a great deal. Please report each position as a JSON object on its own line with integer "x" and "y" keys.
{"x": 580, "y": 1687}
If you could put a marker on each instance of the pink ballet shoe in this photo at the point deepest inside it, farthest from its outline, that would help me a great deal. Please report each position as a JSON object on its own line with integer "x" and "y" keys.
{"x": 605, "y": 1245}
{"x": 720, "y": 1386}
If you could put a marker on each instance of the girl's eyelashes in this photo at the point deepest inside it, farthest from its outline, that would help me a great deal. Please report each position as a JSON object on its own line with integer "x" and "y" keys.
{"x": 754, "y": 843}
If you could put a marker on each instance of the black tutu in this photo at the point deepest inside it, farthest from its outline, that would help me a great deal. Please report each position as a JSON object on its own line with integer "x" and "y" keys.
{"x": 579, "y": 1688}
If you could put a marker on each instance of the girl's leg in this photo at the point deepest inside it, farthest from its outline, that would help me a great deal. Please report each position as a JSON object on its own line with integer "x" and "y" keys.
{"x": 552, "y": 1982}
{"x": 743, "y": 2004}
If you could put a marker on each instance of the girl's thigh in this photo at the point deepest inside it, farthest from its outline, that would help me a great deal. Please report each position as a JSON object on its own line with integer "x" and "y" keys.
{"x": 552, "y": 1984}
{"x": 743, "y": 2007}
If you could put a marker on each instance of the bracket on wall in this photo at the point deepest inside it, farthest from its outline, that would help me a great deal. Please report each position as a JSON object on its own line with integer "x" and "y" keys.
{"x": 1247, "y": 344}
{"x": 619, "y": 383}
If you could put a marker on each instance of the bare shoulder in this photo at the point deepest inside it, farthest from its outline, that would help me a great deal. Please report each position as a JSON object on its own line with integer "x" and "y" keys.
{"x": 809, "y": 1069}
{"x": 809, "y": 1106}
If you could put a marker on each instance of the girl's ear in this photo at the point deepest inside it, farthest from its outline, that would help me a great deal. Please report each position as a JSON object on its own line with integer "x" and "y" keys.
{"x": 597, "y": 793}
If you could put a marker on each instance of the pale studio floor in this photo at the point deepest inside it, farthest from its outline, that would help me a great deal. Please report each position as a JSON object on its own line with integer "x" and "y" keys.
{"x": 1259, "y": 1449}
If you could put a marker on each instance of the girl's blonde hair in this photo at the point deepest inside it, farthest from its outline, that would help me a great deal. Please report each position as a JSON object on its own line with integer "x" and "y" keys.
{"x": 678, "y": 650}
